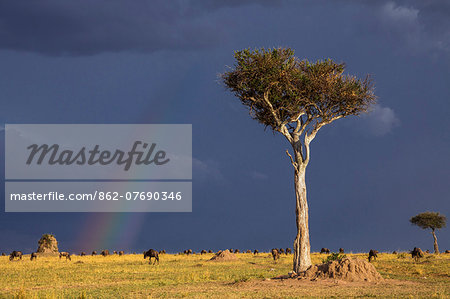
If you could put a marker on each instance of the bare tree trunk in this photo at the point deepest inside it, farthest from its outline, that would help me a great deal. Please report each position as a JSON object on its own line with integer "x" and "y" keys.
{"x": 302, "y": 258}
{"x": 436, "y": 248}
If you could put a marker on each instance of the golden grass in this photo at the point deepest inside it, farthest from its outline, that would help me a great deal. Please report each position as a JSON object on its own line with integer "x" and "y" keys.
{"x": 178, "y": 276}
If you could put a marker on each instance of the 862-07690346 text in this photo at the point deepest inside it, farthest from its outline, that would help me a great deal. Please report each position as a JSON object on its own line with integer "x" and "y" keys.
{"x": 98, "y": 195}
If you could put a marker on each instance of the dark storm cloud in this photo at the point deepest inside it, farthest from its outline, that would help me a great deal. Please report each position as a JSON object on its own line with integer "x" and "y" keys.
{"x": 418, "y": 26}
{"x": 53, "y": 27}
{"x": 231, "y": 3}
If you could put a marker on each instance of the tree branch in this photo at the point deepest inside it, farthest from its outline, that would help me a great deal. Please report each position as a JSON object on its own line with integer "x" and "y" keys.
{"x": 300, "y": 129}
{"x": 309, "y": 137}
{"x": 283, "y": 130}
{"x": 295, "y": 164}
{"x": 307, "y": 153}
{"x": 272, "y": 111}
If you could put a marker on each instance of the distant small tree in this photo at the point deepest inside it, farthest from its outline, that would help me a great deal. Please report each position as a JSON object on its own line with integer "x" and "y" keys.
{"x": 432, "y": 220}
{"x": 297, "y": 98}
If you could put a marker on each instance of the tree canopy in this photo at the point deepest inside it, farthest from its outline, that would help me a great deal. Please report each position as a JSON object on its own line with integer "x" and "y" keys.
{"x": 432, "y": 220}
{"x": 281, "y": 90}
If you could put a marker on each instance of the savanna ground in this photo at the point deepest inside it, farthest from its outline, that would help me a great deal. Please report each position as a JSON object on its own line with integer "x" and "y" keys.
{"x": 131, "y": 276}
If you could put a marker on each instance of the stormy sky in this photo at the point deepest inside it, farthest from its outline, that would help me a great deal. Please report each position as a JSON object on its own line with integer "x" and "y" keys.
{"x": 158, "y": 62}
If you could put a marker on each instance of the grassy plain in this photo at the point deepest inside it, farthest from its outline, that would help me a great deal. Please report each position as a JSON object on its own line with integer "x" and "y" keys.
{"x": 178, "y": 276}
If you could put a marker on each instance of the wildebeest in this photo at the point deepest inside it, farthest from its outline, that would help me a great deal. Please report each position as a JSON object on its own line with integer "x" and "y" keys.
{"x": 121, "y": 253}
{"x": 447, "y": 251}
{"x": 210, "y": 251}
{"x": 394, "y": 252}
{"x": 417, "y": 253}
{"x": 94, "y": 252}
{"x": 3, "y": 254}
{"x": 325, "y": 250}
{"x": 33, "y": 256}
{"x": 341, "y": 250}
{"x": 15, "y": 254}
{"x": 114, "y": 252}
{"x": 65, "y": 254}
{"x": 275, "y": 254}
{"x": 162, "y": 251}
{"x": 152, "y": 253}
{"x": 281, "y": 250}
{"x": 373, "y": 254}
{"x": 236, "y": 251}
{"x": 427, "y": 251}
{"x": 256, "y": 251}
{"x": 105, "y": 252}
{"x": 83, "y": 253}
{"x": 248, "y": 251}
{"x": 288, "y": 251}
{"x": 203, "y": 252}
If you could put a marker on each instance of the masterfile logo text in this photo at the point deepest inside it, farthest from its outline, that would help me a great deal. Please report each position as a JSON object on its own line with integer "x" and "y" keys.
{"x": 52, "y": 155}
{"x": 98, "y": 151}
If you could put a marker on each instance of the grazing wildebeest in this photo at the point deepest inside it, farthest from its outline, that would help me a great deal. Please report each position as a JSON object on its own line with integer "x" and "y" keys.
{"x": 105, "y": 252}
{"x": 275, "y": 254}
{"x": 248, "y": 251}
{"x": 210, "y": 251}
{"x": 121, "y": 253}
{"x": 94, "y": 252}
{"x": 281, "y": 250}
{"x": 15, "y": 254}
{"x": 417, "y": 253}
{"x": 65, "y": 254}
{"x": 325, "y": 250}
{"x": 203, "y": 252}
{"x": 33, "y": 256}
{"x": 373, "y": 254}
{"x": 288, "y": 251}
{"x": 236, "y": 251}
{"x": 447, "y": 251}
{"x": 3, "y": 254}
{"x": 256, "y": 251}
{"x": 394, "y": 252}
{"x": 152, "y": 253}
{"x": 83, "y": 253}
{"x": 114, "y": 252}
{"x": 162, "y": 251}
{"x": 341, "y": 250}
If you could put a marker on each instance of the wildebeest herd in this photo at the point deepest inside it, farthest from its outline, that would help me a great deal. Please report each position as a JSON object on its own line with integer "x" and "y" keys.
{"x": 416, "y": 253}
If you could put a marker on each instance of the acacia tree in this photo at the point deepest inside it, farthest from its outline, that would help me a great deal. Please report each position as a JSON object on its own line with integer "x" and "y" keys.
{"x": 432, "y": 220}
{"x": 296, "y": 98}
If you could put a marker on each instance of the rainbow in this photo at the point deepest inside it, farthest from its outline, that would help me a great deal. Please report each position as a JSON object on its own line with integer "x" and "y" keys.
{"x": 117, "y": 231}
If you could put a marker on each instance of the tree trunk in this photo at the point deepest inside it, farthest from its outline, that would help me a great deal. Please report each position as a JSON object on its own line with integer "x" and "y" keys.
{"x": 436, "y": 248}
{"x": 302, "y": 258}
